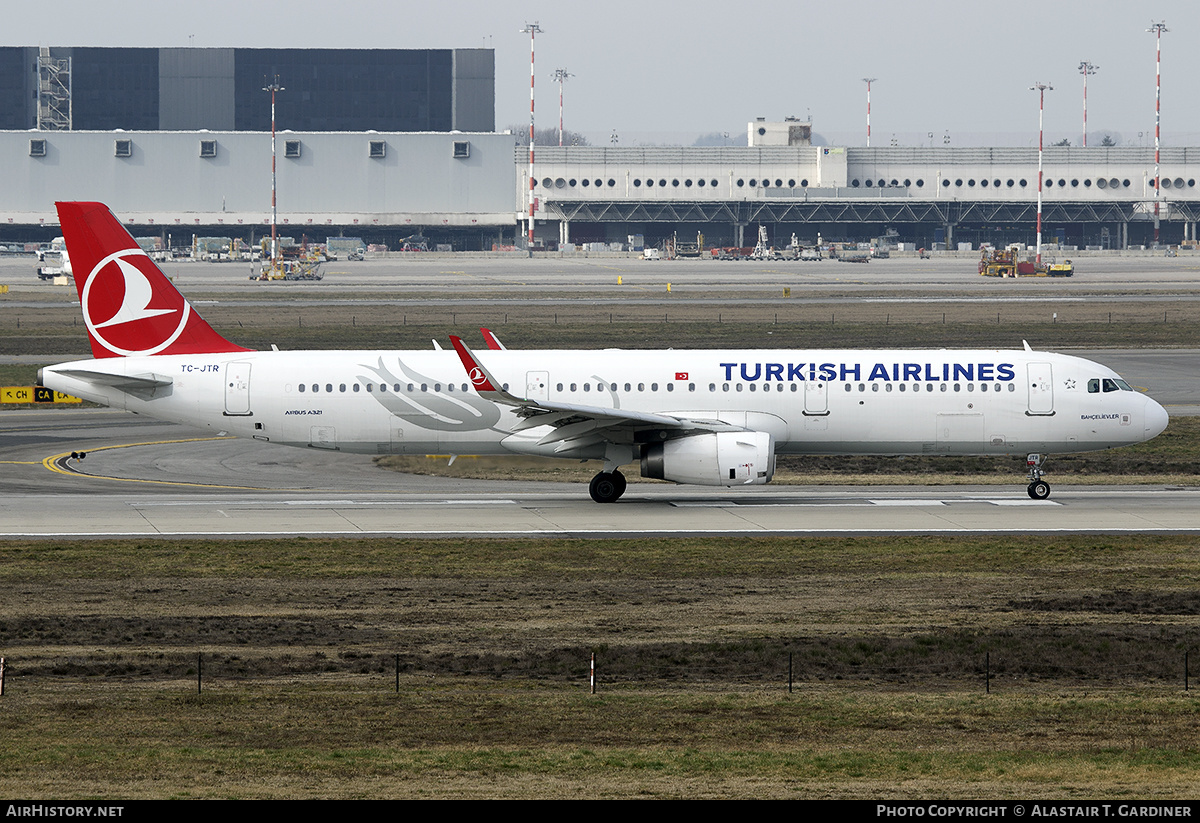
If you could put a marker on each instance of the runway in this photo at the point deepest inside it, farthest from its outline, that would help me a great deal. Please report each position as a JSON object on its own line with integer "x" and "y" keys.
{"x": 144, "y": 478}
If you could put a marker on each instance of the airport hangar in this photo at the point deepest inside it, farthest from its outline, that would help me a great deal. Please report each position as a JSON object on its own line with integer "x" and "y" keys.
{"x": 387, "y": 143}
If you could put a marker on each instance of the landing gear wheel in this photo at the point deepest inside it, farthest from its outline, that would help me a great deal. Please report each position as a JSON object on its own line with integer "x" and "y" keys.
{"x": 606, "y": 487}
{"x": 1039, "y": 490}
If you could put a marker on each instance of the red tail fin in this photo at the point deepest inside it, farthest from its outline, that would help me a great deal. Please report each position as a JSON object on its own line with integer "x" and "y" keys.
{"x": 129, "y": 305}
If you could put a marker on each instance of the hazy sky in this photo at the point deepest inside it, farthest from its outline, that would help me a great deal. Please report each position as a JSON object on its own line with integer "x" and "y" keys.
{"x": 671, "y": 71}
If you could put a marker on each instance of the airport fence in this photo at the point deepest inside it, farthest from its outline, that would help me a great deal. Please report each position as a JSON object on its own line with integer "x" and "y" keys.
{"x": 736, "y": 665}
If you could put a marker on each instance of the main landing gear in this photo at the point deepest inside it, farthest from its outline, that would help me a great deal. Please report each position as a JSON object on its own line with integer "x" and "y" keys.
{"x": 607, "y": 487}
{"x": 1039, "y": 489}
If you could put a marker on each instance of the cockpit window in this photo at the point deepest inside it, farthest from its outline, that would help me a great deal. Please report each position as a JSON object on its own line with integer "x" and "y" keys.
{"x": 1107, "y": 384}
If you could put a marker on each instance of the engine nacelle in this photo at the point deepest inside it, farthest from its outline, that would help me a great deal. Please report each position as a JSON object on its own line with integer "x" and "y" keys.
{"x": 717, "y": 459}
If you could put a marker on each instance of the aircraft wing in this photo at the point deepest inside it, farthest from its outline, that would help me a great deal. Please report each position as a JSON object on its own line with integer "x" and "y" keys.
{"x": 575, "y": 426}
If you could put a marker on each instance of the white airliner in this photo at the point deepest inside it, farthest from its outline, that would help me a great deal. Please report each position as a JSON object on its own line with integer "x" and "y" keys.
{"x": 713, "y": 418}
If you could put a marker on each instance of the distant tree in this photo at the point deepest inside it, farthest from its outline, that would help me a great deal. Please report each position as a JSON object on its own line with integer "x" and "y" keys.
{"x": 1063, "y": 142}
{"x": 1108, "y": 140}
{"x": 547, "y": 136}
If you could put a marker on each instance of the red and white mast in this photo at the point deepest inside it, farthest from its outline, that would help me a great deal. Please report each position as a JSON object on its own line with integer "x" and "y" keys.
{"x": 1085, "y": 68}
{"x": 561, "y": 76}
{"x": 273, "y": 87}
{"x": 869, "y": 81}
{"x": 1158, "y": 29}
{"x": 1040, "y": 88}
{"x": 531, "y": 29}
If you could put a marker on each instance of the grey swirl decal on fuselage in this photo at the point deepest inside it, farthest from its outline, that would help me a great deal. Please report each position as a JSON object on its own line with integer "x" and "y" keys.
{"x": 431, "y": 409}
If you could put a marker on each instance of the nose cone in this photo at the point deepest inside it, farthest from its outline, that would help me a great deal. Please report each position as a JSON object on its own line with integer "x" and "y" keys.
{"x": 1156, "y": 419}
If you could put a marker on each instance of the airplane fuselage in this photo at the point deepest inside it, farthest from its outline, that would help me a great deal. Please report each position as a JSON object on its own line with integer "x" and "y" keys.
{"x": 896, "y": 402}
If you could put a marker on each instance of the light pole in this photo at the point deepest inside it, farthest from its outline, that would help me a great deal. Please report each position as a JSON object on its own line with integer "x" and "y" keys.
{"x": 561, "y": 76}
{"x": 1157, "y": 29}
{"x": 869, "y": 81}
{"x": 531, "y": 29}
{"x": 273, "y": 88}
{"x": 1040, "y": 88}
{"x": 1086, "y": 68}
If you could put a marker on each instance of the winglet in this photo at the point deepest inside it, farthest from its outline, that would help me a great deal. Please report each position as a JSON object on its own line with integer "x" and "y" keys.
{"x": 492, "y": 341}
{"x": 487, "y": 386}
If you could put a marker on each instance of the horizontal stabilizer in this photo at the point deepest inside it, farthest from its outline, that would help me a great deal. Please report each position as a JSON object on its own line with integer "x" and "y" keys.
{"x": 125, "y": 382}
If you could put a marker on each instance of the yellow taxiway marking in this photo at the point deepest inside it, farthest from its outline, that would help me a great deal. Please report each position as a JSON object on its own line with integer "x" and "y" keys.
{"x": 51, "y": 464}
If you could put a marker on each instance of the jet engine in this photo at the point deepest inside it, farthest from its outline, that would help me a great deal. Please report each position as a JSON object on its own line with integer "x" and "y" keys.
{"x": 716, "y": 459}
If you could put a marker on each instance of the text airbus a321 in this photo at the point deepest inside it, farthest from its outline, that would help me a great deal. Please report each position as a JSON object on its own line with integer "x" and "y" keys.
{"x": 712, "y": 418}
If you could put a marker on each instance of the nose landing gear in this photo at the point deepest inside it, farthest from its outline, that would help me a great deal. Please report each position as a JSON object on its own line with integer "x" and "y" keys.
{"x": 1038, "y": 489}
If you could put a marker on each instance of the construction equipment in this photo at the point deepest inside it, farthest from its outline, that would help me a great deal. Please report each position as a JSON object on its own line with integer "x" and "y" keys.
{"x": 293, "y": 263}
{"x": 1005, "y": 263}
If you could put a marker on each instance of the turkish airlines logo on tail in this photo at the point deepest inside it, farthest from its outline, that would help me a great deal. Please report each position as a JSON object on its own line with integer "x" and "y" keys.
{"x": 129, "y": 307}
{"x": 477, "y": 376}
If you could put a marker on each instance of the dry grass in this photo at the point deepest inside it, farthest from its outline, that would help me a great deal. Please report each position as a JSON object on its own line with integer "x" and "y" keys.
{"x": 888, "y": 639}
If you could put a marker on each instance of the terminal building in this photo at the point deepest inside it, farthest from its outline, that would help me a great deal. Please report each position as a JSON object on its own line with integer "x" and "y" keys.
{"x": 1099, "y": 196}
{"x": 384, "y": 144}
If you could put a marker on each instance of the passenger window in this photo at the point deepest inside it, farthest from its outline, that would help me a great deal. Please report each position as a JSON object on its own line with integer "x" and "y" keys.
{"x": 301, "y": 387}
{"x": 329, "y": 387}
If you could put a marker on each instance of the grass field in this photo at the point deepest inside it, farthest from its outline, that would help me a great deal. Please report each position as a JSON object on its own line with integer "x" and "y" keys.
{"x": 889, "y": 639}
